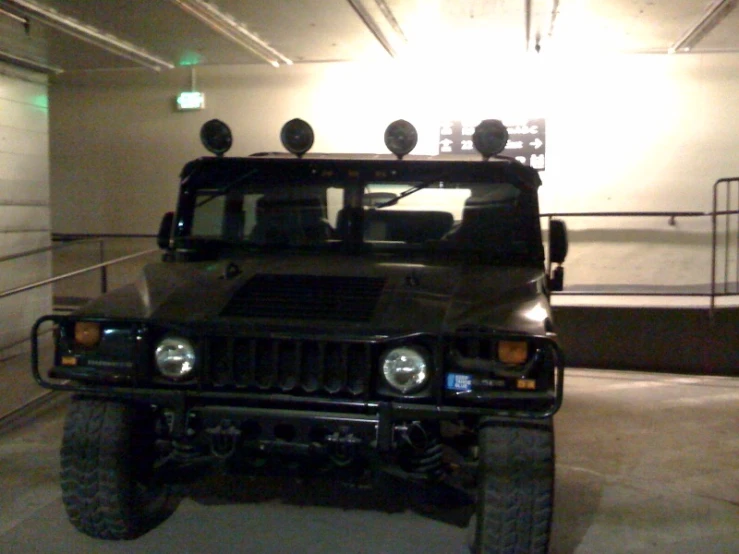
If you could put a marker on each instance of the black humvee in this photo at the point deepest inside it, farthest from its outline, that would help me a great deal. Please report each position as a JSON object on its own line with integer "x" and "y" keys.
{"x": 372, "y": 312}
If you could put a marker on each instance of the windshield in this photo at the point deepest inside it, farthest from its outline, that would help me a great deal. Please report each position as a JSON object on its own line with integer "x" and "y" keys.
{"x": 496, "y": 218}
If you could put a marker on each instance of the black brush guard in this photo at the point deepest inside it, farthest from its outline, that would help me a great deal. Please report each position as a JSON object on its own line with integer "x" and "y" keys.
{"x": 278, "y": 372}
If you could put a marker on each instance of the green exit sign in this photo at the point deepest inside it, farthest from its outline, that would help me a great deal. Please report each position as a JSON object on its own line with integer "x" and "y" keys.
{"x": 191, "y": 101}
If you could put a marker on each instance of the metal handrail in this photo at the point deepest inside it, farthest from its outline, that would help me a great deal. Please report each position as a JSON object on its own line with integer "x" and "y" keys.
{"x": 51, "y": 248}
{"x": 623, "y": 214}
{"x": 38, "y": 400}
{"x": 52, "y": 280}
{"x": 72, "y": 239}
{"x": 713, "y": 214}
{"x": 549, "y": 215}
{"x": 85, "y": 236}
{"x": 4, "y": 417}
{"x": 640, "y": 214}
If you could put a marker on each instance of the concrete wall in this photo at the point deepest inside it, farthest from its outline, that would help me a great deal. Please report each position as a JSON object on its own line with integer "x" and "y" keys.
{"x": 624, "y": 133}
{"x": 24, "y": 200}
{"x": 678, "y": 340}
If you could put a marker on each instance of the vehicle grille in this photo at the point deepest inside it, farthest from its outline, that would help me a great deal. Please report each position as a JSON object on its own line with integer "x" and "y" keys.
{"x": 311, "y": 367}
{"x": 310, "y": 297}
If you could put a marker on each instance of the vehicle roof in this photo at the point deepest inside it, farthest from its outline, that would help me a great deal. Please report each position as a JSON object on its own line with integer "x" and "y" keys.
{"x": 411, "y": 167}
{"x": 390, "y": 157}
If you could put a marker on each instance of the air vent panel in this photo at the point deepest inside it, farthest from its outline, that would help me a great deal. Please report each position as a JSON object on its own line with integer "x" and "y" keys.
{"x": 307, "y": 297}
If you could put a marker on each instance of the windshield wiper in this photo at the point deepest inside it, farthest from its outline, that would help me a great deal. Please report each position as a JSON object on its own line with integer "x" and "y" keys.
{"x": 226, "y": 189}
{"x": 405, "y": 193}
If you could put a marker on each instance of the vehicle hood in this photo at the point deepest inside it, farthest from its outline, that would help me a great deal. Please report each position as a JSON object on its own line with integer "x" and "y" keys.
{"x": 335, "y": 295}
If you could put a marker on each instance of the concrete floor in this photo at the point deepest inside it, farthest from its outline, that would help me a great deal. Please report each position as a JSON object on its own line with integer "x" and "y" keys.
{"x": 646, "y": 463}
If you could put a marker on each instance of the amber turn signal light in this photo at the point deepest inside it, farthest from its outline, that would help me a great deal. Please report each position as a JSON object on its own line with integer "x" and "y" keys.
{"x": 513, "y": 351}
{"x": 87, "y": 333}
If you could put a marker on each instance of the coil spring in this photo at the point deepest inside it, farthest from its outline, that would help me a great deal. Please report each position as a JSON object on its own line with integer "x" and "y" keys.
{"x": 424, "y": 457}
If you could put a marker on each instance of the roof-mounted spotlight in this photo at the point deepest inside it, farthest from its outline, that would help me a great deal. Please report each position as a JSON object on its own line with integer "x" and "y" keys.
{"x": 297, "y": 136}
{"x": 490, "y": 137}
{"x": 216, "y": 137}
{"x": 401, "y": 138}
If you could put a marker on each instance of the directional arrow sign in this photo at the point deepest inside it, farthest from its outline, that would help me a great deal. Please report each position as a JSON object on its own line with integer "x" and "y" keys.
{"x": 445, "y": 145}
{"x": 526, "y": 142}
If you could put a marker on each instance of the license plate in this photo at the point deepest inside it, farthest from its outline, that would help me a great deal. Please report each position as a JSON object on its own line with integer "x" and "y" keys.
{"x": 458, "y": 382}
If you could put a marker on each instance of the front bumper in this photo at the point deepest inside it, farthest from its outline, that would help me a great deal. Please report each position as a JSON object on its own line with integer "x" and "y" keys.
{"x": 438, "y": 402}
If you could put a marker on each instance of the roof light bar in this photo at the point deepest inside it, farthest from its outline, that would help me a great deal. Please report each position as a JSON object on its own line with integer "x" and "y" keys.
{"x": 88, "y": 33}
{"x": 228, "y": 27}
{"x": 713, "y": 15}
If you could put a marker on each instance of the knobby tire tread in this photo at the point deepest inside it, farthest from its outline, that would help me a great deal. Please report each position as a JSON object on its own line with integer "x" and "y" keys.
{"x": 98, "y": 489}
{"x": 515, "y": 496}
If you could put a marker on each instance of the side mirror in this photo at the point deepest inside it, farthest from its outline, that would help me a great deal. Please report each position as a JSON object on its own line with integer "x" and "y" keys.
{"x": 558, "y": 243}
{"x": 558, "y": 246}
{"x": 165, "y": 230}
{"x": 557, "y": 279}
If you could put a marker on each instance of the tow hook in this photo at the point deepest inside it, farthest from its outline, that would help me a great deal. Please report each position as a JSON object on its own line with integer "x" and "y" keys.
{"x": 223, "y": 438}
{"x": 413, "y": 435}
{"x": 344, "y": 444}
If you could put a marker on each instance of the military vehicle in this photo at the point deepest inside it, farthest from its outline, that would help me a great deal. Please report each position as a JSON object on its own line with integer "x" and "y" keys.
{"x": 332, "y": 314}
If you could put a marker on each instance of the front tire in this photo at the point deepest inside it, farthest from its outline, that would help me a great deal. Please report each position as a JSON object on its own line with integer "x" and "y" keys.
{"x": 108, "y": 461}
{"x": 515, "y": 488}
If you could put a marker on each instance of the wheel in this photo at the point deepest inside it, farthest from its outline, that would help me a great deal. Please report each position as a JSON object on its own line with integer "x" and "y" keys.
{"x": 108, "y": 462}
{"x": 515, "y": 489}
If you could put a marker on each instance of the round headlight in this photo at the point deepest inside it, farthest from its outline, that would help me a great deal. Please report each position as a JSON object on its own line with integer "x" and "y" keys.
{"x": 216, "y": 137}
{"x": 297, "y": 136}
{"x": 401, "y": 137}
{"x": 406, "y": 369}
{"x": 175, "y": 357}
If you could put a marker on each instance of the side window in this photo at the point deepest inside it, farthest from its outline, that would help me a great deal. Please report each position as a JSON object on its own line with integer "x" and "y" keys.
{"x": 208, "y": 218}
{"x": 250, "y": 212}
{"x": 334, "y": 204}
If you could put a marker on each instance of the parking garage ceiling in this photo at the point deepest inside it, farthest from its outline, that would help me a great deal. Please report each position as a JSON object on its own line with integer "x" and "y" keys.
{"x": 94, "y": 35}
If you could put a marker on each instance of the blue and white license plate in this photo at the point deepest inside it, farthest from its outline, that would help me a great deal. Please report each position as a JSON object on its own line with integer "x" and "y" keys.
{"x": 458, "y": 382}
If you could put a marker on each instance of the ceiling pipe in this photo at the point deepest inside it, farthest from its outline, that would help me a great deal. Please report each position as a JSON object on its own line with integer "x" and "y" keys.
{"x": 539, "y": 18}
{"x": 22, "y": 20}
{"x": 225, "y": 25}
{"x": 713, "y": 15}
{"x": 87, "y": 33}
{"x": 390, "y": 17}
{"x": 374, "y": 27}
{"x": 555, "y": 13}
{"x": 27, "y": 63}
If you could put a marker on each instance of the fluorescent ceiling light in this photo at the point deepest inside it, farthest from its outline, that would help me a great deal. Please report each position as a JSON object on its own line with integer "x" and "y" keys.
{"x": 82, "y": 31}
{"x": 364, "y": 14}
{"x": 713, "y": 15}
{"x": 28, "y": 63}
{"x": 227, "y": 26}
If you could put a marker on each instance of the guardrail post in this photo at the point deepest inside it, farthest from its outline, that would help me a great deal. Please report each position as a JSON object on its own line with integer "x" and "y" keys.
{"x": 549, "y": 241}
{"x": 103, "y": 269}
{"x": 714, "y": 239}
{"x": 730, "y": 285}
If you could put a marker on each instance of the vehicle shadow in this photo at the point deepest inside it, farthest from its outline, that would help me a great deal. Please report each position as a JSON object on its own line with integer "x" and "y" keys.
{"x": 577, "y": 496}
{"x": 440, "y": 502}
